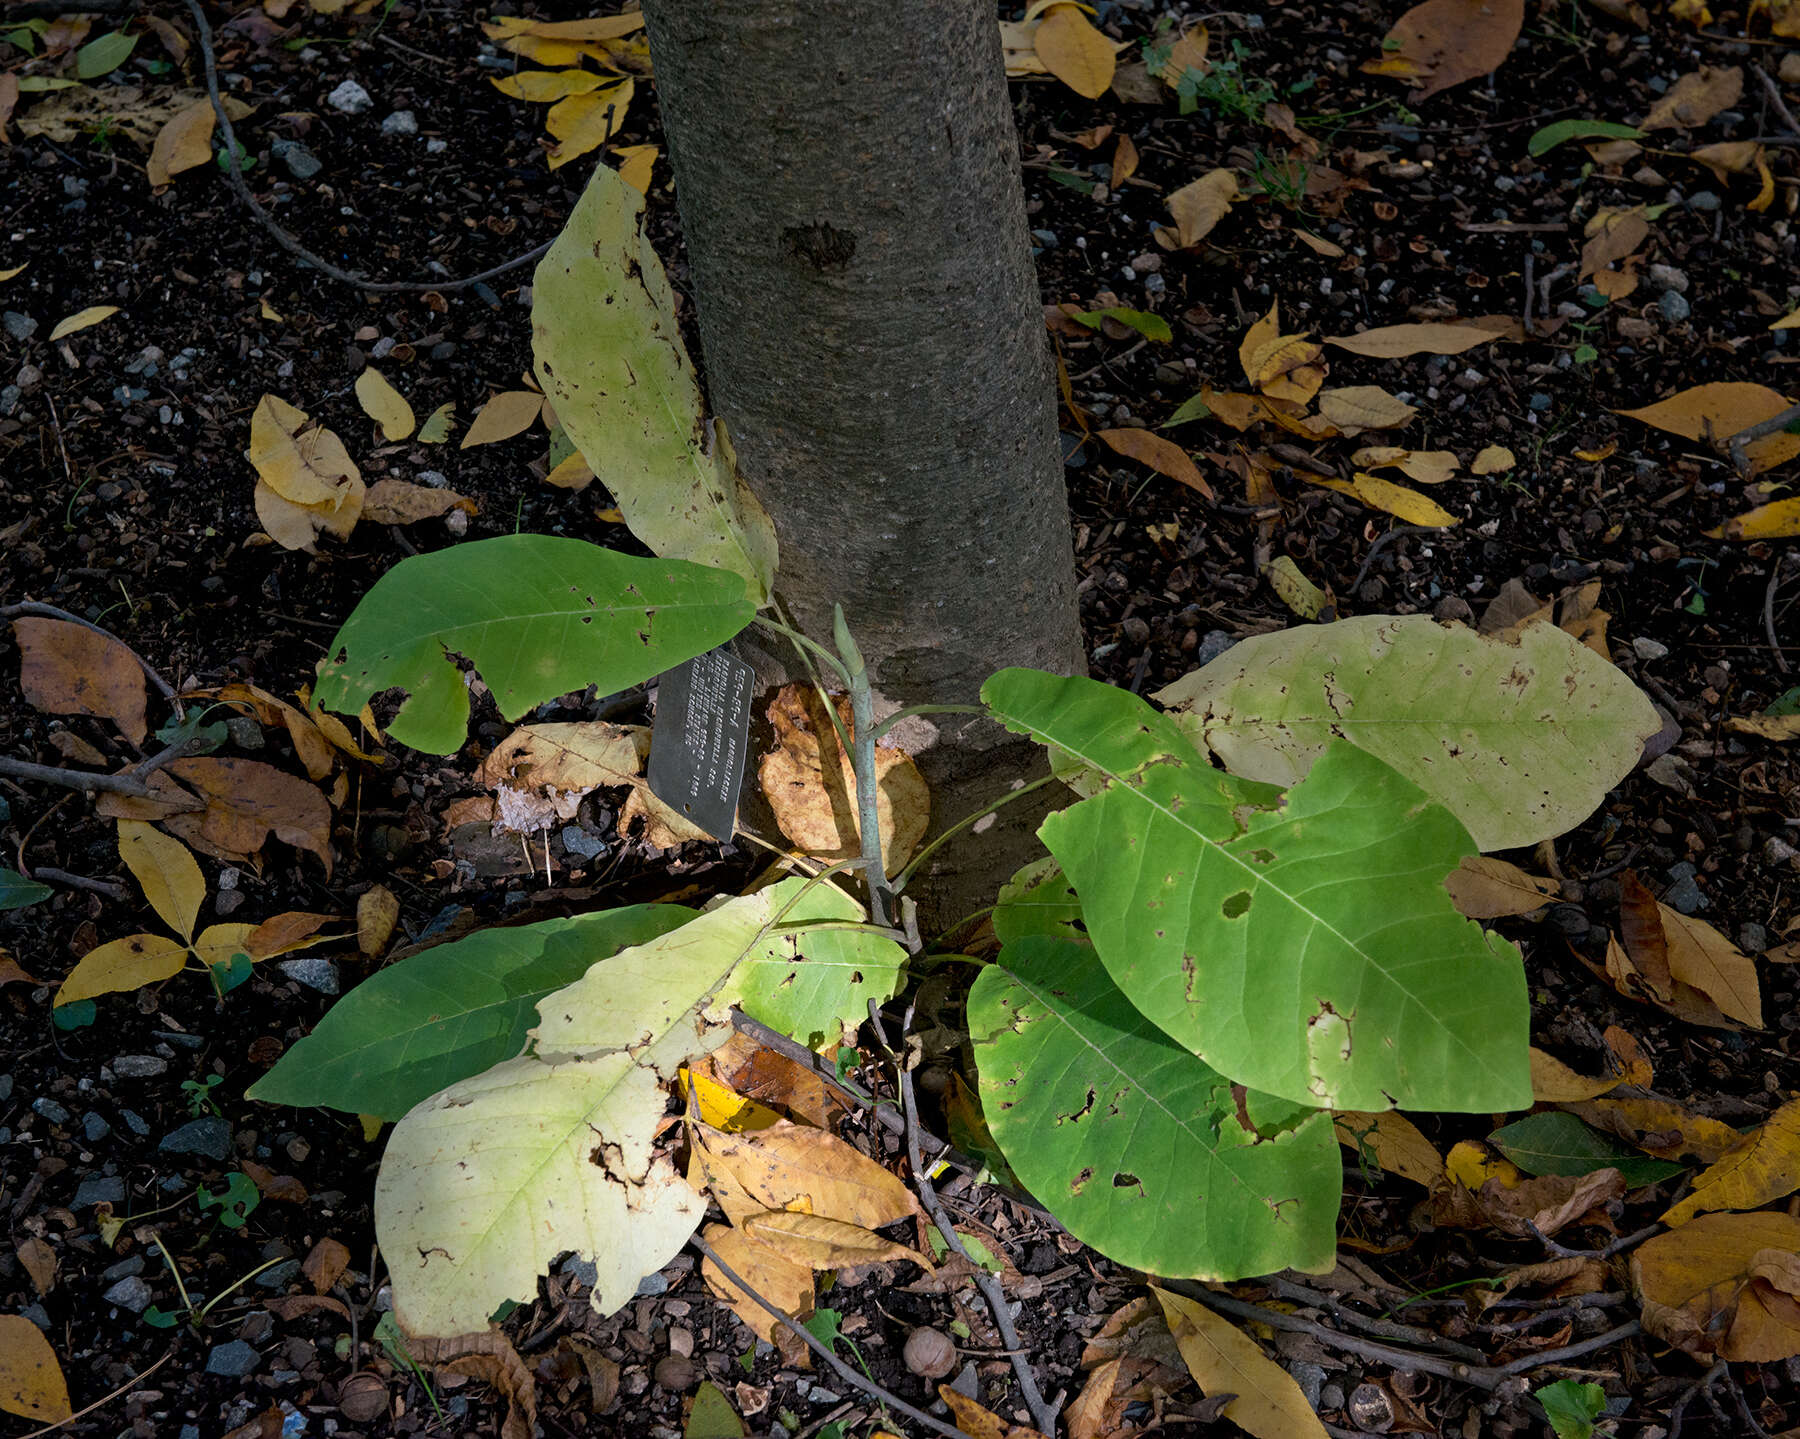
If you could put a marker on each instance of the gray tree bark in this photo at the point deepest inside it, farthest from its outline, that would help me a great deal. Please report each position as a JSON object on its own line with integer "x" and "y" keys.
{"x": 847, "y": 177}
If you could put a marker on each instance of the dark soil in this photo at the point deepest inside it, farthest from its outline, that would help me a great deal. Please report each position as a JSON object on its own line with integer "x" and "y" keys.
{"x": 125, "y": 498}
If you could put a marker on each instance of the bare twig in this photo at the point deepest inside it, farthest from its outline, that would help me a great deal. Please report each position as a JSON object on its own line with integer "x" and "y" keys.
{"x": 51, "y": 612}
{"x": 841, "y": 1369}
{"x": 134, "y": 1382}
{"x": 1369, "y": 1324}
{"x": 77, "y": 779}
{"x": 1769, "y": 613}
{"x": 1773, "y": 92}
{"x": 1618, "y": 1246}
{"x": 1043, "y": 1415}
{"x": 1737, "y": 445}
{"x": 1543, "y": 1357}
{"x": 287, "y": 242}
{"x": 44, "y": 874}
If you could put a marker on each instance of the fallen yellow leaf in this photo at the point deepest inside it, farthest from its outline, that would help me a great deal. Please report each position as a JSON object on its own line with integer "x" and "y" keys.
{"x": 509, "y": 413}
{"x": 1225, "y": 1360}
{"x": 81, "y": 319}
{"x": 1074, "y": 51}
{"x": 1200, "y": 205}
{"x": 1763, "y": 1166}
{"x": 384, "y": 404}
{"x": 183, "y": 143}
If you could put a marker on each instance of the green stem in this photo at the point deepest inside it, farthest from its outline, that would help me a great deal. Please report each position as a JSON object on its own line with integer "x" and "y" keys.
{"x": 898, "y": 715}
{"x": 804, "y": 643}
{"x": 905, "y": 876}
{"x": 862, "y": 754}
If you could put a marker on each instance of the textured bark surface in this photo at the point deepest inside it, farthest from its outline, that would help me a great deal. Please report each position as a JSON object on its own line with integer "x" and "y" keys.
{"x": 847, "y": 177}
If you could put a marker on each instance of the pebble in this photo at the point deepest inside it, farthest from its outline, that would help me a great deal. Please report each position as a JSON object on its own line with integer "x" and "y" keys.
{"x": 1684, "y": 896}
{"x": 37, "y": 1315}
{"x": 228, "y": 901}
{"x": 401, "y": 122}
{"x": 19, "y": 327}
{"x": 382, "y": 348}
{"x": 1155, "y": 284}
{"x": 1331, "y": 1397}
{"x": 314, "y": 973}
{"x": 234, "y": 1360}
{"x": 1752, "y": 938}
{"x": 50, "y": 1110}
{"x": 350, "y": 99}
{"x": 139, "y": 1066}
{"x": 1648, "y": 649}
{"x": 1668, "y": 277}
{"x": 577, "y": 840}
{"x": 105, "y": 1190}
{"x": 584, "y": 1272}
{"x": 1045, "y": 238}
{"x": 245, "y": 732}
{"x": 1673, "y": 307}
{"x": 1704, "y": 200}
{"x": 134, "y": 1264}
{"x": 30, "y": 376}
{"x": 1213, "y": 644}
{"x": 437, "y": 479}
{"x": 10, "y": 396}
{"x": 436, "y": 147}
{"x": 301, "y": 163}
{"x": 1311, "y": 1379}
{"x": 135, "y": 1122}
{"x": 278, "y": 1275}
{"x": 443, "y": 350}
{"x": 94, "y": 1128}
{"x": 651, "y": 1284}
{"x": 130, "y": 1293}
{"x": 1541, "y": 402}
{"x": 210, "y": 1137}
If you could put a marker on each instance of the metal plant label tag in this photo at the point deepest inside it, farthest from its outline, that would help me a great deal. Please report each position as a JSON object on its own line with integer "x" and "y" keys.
{"x": 700, "y": 739}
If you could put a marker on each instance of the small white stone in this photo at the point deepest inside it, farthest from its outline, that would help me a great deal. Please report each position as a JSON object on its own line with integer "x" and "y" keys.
{"x": 401, "y": 122}
{"x": 1648, "y": 649}
{"x": 350, "y": 99}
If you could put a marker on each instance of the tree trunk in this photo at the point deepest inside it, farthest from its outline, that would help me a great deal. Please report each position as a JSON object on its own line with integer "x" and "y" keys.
{"x": 848, "y": 182}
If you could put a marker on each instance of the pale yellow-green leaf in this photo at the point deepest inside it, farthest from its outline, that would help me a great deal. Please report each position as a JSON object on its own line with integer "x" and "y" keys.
{"x": 124, "y": 964}
{"x": 1778, "y": 520}
{"x": 484, "y": 1185}
{"x": 436, "y": 428}
{"x": 81, "y": 319}
{"x": 166, "y": 871}
{"x": 625, "y": 391}
{"x": 1353, "y": 408}
{"x": 1521, "y": 739}
{"x": 636, "y": 163}
{"x": 383, "y": 404}
{"x": 1494, "y": 460}
{"x": 509, "y": 413}
{"x": 1225, "y": 1360}
{"x": 1392, "y": 342}
{"x": 1786, "y": 322}
{"x": 1297, "y": 592}
{"x": 7, "y": 274}
{"x": 218, "y": 942}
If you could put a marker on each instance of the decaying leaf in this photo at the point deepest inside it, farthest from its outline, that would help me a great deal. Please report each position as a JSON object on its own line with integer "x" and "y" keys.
{"x": 1764, "y": 1165}
{"x": 1380, "y": 494}
{"x": 1713, "y": 412}
{"x": 31, "y": 1380}
{"x": 1297, "y": 592}
{"x": 1355, "y": 408}
{"x": 1553, "y": 1082}
{"x": 583, "y": 123}
{"x": 810, "y": 783}
{"x": 1393, "y": 1143}
{"x": 1695, "y": 98}
{"x": 1225, "y": 1360}
{"x": 811, "y": 1171}
{"x": 784, "y": 1282}
{"x": 509, "y": 413}
{"x": 1675, "y": 952}
{"x": 1483, "y": 887}
{"x": 1074, "y": 51}
{"x": 1163, "y": 456}
{"x": 1445, "y": 42}
{"x": 244, "y": 801}
{"x": 184, "y": 142}
{"x": 1201, "y": 204}
{"x": 1449, "y": 337}
{"x": 1725, "y": 1285}
{"x": 400, "y": 502}
{"x": 385, "y": 405}
{"x": 68, "y": 669}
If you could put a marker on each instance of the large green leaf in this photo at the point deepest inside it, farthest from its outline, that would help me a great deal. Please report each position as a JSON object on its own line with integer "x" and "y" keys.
{"x": 1557, "y": 1143}
{"x": 1133, "y": 1143}
{"x": 610, "y": 357}
{"x": 538, "y": 616}
{"x": 447, "y": 1014}
{"x": 1520, "y": 739}
{"x": 1038, "y": 900}
{"x": 490, "y": 1180}
{"x": 1303, "y": 945}
{"x": 16, "y": 891}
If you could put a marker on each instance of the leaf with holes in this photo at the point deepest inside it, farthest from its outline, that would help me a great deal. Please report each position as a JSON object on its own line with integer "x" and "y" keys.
{"x": 1521, "y": 740}
{"x": 1302, "y": 944}
{"x": 538, "y": 615}
{"x": 1122, "y": 1132}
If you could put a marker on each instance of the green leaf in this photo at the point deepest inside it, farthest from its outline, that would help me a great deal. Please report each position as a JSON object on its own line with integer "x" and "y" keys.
{"x": 1787, "y": 703}
{"x": 1563, "y": 131}
{"x": 16, "y": 891}
{"x": 228, "y": 974}
{"x": 823, "y": 1325}
{"x": 712, "y": 1416}
{"x": 449, "y": 1012}
{"x": 104, "y": 55}
{"x": 609, "y": 355}
{"x": 236, "y": 1202}
{"x": 1193, "y": 408}
{"x": 1151, "y": 327}
{"x": 1572, "y": 1407}
{"x": 76, "y": 1014}
{"x": 538, "y": 616}
{"x": 1558, "y": 1143}
{"x": 1038, "y": 900}
{"x": 1302, "y": 945}
{"x": 1520, "y": 740}
{"x": 1132, "y": 1142}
